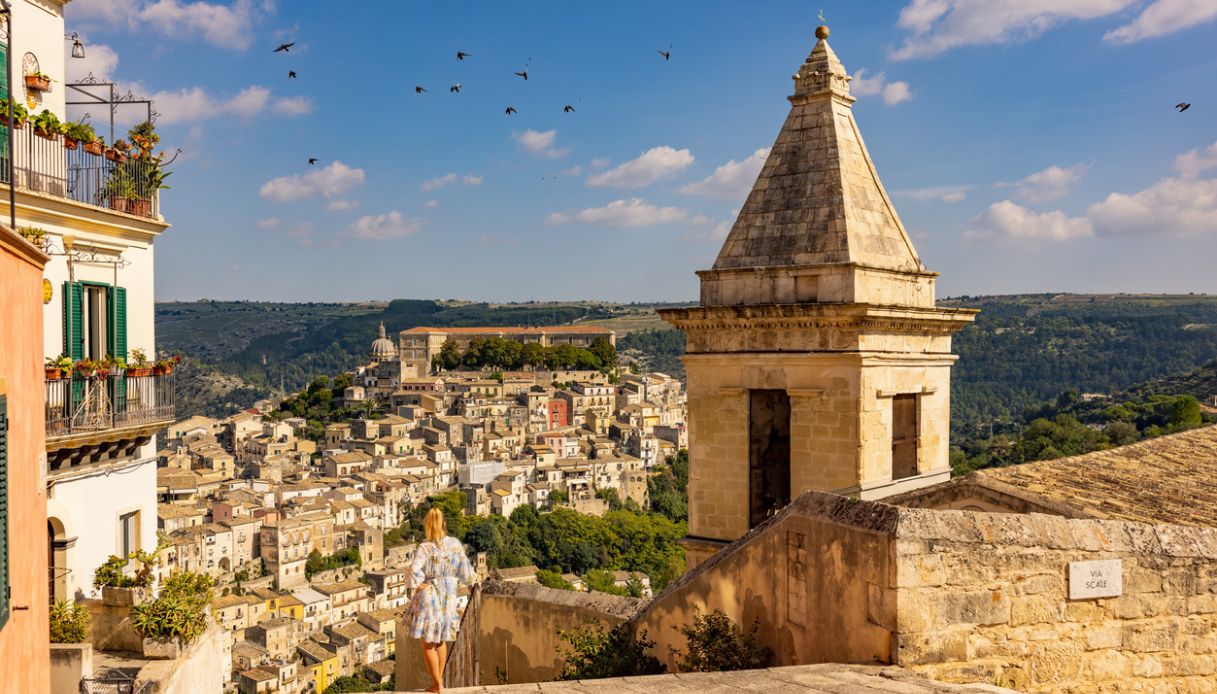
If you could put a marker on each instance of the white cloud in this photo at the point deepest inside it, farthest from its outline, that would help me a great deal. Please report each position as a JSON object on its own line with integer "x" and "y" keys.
{"x": 294, "y": 105}
{"x": 1008, "y": 220}
{"x": 1170, "y": 206}
{"x": 195, "y": 103}
{"x": 268, "y": 223}
{"x": 227, "y": 26}
{"x": 599, "y": 163}
{"x": 327, "y": 182}
{"x": 448, "y": 179}
{"x": 652, "y": 165}
{"x": 716, "y": 233}
{"x": 732, "y": 180}
{"x": 540, "y": 144}
{"x": 1052, "y": 183}
{"x": 100, "y": 61}
{"x": 571, "y": 170}
{"x": 431, "y": 204}
{"x": 943, "y": 193}
{"x": 938, "y": 26}
{"x": 1164, "y": 17}
{"x": 341, "y": 205}
{"x": 892, "y": 92}
{"x": 390, "y": 225}
{"x": 634, "y": 212}
{"x": 1196, "y": 161}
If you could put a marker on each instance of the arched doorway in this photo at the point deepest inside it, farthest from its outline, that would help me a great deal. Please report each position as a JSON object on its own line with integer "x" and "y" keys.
{"x": 59, "y": 582}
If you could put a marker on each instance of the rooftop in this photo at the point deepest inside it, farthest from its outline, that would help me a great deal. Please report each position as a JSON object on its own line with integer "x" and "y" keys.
{"x": 546, "y": 330}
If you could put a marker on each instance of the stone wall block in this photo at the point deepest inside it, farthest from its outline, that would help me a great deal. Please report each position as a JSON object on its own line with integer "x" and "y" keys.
{"x": 1104, "y": 635}
{"x": 1036, "y": 609}
{"x": 1185, "y": 665}
{"x": 934, "y": 647}
{"x": 920, "y": 570}
{"x": 1055, "y": 663}
{"x": 1085, "y": 611}
{"x": 983, "y": 607}
{"x": 1142, "y": 580}
{"x": 1150, "y": 637}
{"x": 1040, "y": 583}
{"x": 1105, "y": 665}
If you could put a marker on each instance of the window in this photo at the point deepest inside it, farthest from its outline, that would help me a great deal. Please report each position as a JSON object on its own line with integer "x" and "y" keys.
{"x": 94, "y": 320}
{"x": 905, "y": 436}
{"x": 128, "y": 533}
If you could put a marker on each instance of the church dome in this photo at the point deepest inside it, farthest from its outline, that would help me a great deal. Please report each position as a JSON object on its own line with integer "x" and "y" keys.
{"x": 382, "y": 347}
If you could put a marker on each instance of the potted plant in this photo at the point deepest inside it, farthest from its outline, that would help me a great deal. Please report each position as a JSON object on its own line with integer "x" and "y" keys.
{"x": 118, "y": 153}
{"x": 95, "y": 146}
{"x": 47, "y": 125}
{"x": 38, "y": 81}
{"x": 69, "y": 622}
{"x": 115, "y": 366}
{"x": 145, "y": 138}
{"x": 58, "y": 367}
{"x": 90, "y": 369}
{"x": 75, "y": 133}
{"x": 139, "y": 364}
{"x": 165, "y": 366}
{"x": 119, "y": 187}
{"x": 119, "y": 589}
{"x": 177, "y": 617}
{"x": 20, "y": 115}
{"x": 35, "y": 235}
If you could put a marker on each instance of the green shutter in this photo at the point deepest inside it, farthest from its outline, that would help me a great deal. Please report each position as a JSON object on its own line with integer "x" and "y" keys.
{"x": 118, "y": 342}
{"x": 73, "y": 320}
{"x": 5, "y": 591}
{"x": 4, "y": 104}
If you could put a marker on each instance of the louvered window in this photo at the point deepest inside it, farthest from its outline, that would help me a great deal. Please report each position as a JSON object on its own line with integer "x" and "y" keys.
{"x": 905, "y": 437}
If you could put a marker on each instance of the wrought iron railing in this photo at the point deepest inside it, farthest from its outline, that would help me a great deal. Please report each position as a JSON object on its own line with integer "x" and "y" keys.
{"x": 46, "y": 165}
{"x": 114, "y": 684}
{"x": 78, "y": 405}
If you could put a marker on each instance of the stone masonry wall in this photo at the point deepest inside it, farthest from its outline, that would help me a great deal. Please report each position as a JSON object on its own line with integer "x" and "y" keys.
{"x": 985, "y": 597}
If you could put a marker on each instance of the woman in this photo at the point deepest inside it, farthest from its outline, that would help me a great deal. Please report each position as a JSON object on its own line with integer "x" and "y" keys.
{"x": 439, "y": 564}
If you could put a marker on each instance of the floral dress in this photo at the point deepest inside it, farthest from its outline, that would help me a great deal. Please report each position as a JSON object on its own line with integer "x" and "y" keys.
{"x": 433, "y": 615}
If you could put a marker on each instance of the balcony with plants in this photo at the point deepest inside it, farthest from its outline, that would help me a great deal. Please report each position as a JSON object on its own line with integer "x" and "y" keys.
{"x": 70, "y": 160}
{"x": 98, "y": 410}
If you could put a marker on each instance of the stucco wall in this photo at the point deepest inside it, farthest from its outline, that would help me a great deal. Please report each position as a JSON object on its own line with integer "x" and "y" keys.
{"x": 818, "y": 590}
{"x": 69, "y": 663}
{"x": 984, "y": 597}
{"x": 23, "y": 639}
{"x": 204, "y": 667}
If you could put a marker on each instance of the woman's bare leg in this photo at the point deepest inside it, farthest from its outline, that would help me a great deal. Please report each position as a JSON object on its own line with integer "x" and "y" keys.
{"x": 432, "y": 658}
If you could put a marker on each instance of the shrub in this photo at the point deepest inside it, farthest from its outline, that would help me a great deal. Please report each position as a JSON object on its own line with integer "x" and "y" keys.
{"x": 111, "y": 574}
{"x": 594, "y": 653}
{"x": 69, "y": 622}
{"x": 716, "y": 644}
{"x": 180, "y": 612}
{"x": 553, "y": 579}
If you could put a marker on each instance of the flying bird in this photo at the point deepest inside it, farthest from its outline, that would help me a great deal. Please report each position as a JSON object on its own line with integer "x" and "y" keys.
{"x": 1182, "y": 106}
{"x": 284, "y": 47}
{"x": 291, "y": 74}
{"x": 523, "y": 74}
{"x": 667, "y": 55}
{"x": 568, "y": 109}
{"x": 461, "y": 55}
{"x": 419, "y": 90}
{"x": 510, "y": 110}
{"x": 455, "y": 88}
{"x": 312, "y": 160}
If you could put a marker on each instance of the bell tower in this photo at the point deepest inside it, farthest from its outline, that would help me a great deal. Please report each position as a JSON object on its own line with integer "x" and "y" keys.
{"x": 817, "y": 358}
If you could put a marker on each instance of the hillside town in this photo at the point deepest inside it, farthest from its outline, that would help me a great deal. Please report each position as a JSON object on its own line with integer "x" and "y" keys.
{"x": 248, "y": 499}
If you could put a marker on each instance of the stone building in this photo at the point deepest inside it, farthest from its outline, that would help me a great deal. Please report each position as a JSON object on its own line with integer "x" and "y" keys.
{"x": 420, "y": 345}
{"x": 817, "y": 358}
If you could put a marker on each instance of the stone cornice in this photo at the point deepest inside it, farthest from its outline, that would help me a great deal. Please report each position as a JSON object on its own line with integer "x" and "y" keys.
{"x": 49, "y": 209}
{"x": 857, "y": 317}
{"x": 27, "y": 251}
{"x": 794, "y": 269}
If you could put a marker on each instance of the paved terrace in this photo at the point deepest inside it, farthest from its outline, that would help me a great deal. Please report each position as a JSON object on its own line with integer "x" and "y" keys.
{"x": 800, "y": 679}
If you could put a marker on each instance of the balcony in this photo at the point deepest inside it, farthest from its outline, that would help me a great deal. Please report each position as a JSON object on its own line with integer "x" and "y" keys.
{"x": 90, "y": 420}
{"x": 46, "y": 166}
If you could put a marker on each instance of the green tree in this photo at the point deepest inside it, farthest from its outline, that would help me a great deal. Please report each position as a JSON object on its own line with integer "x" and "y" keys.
{"x": 594, "y": 653}
{"x": 449, "y": 355}
{"x": 553, "y": 579}
{"x": 532, "y": 355}
{"x": 716, "y": 644}
{"x": 605, "y": 352}
{"x": 603, "y": 581}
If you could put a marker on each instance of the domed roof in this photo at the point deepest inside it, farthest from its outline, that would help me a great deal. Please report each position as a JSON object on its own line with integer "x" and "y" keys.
{"x": 382, "y": 347}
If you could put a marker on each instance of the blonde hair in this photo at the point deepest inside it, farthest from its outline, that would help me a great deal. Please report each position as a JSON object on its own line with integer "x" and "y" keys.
{"x": 434, "y": 525}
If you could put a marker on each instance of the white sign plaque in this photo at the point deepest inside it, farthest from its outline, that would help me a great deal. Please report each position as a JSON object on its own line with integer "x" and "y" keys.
{"x": 1096, "y": 579}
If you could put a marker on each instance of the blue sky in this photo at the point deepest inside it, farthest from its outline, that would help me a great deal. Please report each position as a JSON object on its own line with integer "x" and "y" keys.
{"x": 1029, "y": 145}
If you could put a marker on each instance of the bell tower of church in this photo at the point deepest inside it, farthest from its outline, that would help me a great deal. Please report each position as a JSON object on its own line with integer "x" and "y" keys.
{"x": 817, "y": 358}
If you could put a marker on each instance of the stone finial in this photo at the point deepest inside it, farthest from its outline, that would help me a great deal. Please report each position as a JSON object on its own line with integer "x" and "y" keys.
{"x": 822, "y": 72}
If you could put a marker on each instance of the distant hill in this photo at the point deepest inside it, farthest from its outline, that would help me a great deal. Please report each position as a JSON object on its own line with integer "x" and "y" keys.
{"x": 1201, "y": 382}
{"x": 241, "y": 351}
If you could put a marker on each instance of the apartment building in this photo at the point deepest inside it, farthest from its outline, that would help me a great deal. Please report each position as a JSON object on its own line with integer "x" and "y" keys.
{"x": 419, "y": 346}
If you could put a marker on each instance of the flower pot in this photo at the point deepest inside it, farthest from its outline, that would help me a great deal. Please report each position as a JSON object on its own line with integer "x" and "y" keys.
{"x": 118, "y": 203}
{"x": 45, "y": 134}
{"x": 162, "y": 649}
{"x": 4, "y": 120}
{"x": 54, "y": 374}
{"x": 162, "y": 370}
{"x": 123, "y": 597}
{"x": 41, "y": 84}
{"x": 141, "y": 207}
{"x": 134, "y": 372}
{"x": 69, "y": 142}
{"x": 116, "y": 156}
{"x": 95, "y": 148}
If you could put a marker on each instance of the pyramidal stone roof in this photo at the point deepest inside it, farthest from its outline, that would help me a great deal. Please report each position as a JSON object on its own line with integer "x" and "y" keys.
{"x": 818, "y": 199}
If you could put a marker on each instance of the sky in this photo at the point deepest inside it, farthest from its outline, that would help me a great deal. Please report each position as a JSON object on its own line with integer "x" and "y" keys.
{"x": 1028, "y": 145}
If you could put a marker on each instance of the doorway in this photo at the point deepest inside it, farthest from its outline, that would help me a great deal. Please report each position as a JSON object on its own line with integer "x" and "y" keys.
{"x": 768, "y": 454}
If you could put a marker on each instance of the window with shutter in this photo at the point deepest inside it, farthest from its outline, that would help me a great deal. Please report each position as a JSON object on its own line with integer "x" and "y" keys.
{"x": 117, "y": 297}
{"x": 73, "y": 320}
{"x": 4, "y": 168}
{"x": 4, "y": 586}
{"x": 904, "y": 436}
